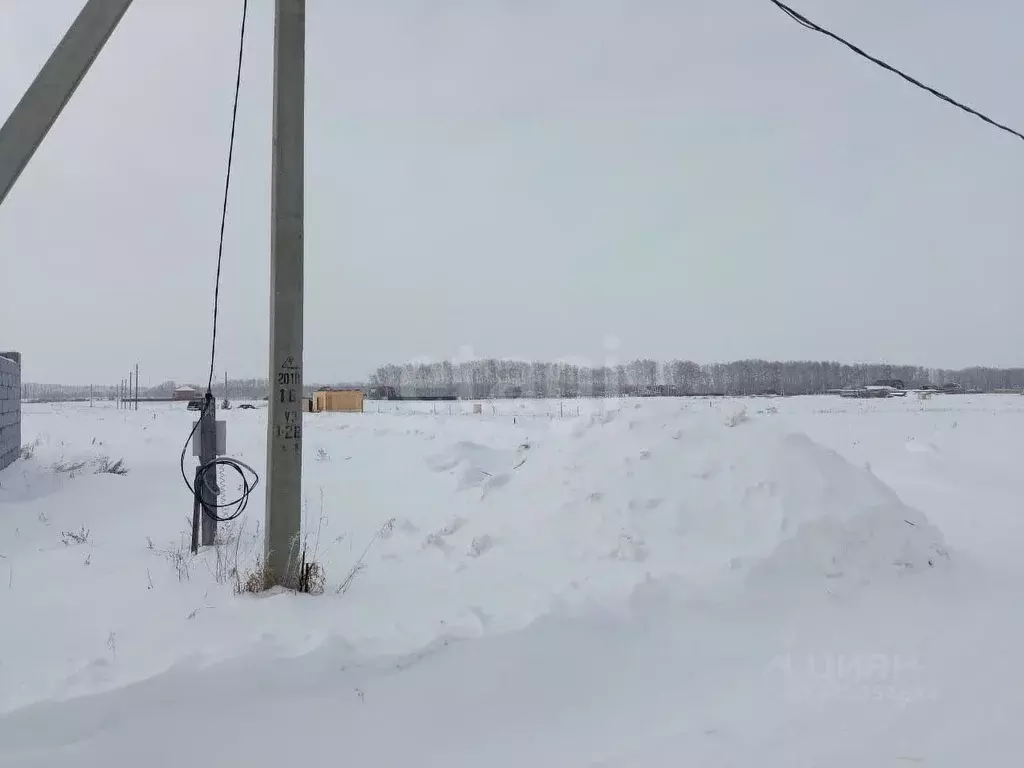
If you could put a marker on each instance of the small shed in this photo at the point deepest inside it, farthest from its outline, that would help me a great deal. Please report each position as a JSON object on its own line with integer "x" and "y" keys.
{"x": 185, "y": 393}
{"x": 338, "y": 400}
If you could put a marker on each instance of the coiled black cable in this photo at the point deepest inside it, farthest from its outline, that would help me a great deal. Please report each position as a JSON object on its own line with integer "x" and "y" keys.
{"x": 209, "y": 469}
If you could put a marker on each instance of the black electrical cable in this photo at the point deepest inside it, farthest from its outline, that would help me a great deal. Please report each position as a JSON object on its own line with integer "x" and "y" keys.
{"x": 808, "y": 24}
{"x": 210, "y": 467}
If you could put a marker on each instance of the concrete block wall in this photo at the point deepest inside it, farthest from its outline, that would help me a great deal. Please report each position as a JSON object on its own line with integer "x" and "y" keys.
{"x": 10, "y": 407}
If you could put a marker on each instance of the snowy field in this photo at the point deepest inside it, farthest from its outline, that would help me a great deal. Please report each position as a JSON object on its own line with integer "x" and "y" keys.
{"x": 772, "y": 583}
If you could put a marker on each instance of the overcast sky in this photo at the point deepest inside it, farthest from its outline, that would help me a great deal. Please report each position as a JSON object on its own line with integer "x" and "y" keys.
{"x": 529, "y": 178}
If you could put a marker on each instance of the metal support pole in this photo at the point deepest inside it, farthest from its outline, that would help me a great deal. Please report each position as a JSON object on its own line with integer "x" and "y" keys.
{"x": 197, "y": 511}
{"x": 208, "y": 479}
{"x": 53, "y": 87}
{"x": 284, "y": 424}
{"x": 136, "y": 386}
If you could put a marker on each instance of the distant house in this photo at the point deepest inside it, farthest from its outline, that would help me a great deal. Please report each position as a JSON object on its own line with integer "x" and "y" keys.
{"x": 890, "y": 383}
{"x": 185, "y": 393}
{"x": 383, "y": 393}
{"x": 868, "y": 392}
{"x": 338, "y": 400}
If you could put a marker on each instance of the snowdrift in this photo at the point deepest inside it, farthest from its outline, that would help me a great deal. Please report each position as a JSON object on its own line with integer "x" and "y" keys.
{"x": 653, "y": 583}
{"x": 449, "y": 527}
{"x": 708, "y": 497}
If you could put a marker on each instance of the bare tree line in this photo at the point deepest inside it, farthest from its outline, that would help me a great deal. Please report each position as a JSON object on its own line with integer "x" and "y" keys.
{"x": 492, "y": 378}
{"x": 512, "y": 378}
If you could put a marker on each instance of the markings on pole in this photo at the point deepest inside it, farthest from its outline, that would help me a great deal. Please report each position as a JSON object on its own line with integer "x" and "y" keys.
{"x": 289, "y": 379}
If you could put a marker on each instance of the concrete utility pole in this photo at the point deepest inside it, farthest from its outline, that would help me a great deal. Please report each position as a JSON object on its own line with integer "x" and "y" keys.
{"x": 56, "y": 82}
{"x": 136, "y": 386}
{"x": 284, "y": 425}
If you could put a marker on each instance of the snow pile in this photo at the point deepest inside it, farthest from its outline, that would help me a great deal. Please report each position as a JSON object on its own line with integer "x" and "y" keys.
{"x": 846, "y": 525}
{"x": 688, "y": 495}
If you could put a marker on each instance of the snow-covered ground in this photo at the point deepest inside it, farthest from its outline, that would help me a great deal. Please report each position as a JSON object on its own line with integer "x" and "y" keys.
{"x": 786, "y": 582}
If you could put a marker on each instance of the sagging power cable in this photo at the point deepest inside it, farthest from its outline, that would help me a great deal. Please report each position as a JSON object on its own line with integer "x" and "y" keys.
{"x": 803, "y": 21}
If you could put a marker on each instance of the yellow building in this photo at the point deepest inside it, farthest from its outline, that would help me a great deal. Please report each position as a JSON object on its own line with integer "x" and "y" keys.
{"x": 338, "y": 400}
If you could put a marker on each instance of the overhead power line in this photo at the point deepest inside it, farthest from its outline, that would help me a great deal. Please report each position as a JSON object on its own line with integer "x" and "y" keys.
{"x": 211, "y": 508}
{"x": 227, "y": 189}
{"x": 803, "y": 21}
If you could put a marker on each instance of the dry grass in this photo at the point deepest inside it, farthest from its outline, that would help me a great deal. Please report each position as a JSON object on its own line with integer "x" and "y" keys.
{"x": 254, "y": 581}
{"x": 71, "y": 468}
{"x": 181, "y": 560}
{"x": 28, "y": 450}
{"x": 311, "y": 578}
{"x": 359, "y": 566}
{"x": 104, "y": 466}
{"x": 80, "y": 536}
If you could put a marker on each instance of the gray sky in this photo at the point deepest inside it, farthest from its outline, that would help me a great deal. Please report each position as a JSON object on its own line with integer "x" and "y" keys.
{"x": 703, "y": 180}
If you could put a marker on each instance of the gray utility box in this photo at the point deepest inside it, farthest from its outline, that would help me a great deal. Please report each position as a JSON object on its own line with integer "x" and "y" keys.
{"x": 222, "y": 438}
